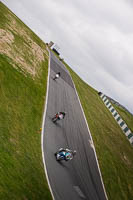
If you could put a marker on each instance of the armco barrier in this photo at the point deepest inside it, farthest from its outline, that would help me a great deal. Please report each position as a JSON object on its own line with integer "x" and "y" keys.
{"x": 117, "y": 117}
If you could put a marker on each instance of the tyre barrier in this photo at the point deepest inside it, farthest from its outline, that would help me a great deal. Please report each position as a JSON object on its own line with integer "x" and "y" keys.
{"x": 117, "y": 117}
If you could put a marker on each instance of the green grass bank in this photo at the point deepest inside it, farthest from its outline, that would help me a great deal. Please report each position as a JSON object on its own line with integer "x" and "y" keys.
{"x": 23, "y": 80}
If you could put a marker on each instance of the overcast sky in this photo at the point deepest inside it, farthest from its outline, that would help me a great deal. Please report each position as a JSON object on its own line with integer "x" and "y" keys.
{"x": 95, "y": 38}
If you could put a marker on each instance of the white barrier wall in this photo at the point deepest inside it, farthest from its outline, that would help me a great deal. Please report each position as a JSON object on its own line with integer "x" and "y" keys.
{"x": 118, "y": 118}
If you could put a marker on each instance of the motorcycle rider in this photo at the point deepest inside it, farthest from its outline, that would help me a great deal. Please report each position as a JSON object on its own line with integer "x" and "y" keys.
{"x": 56, "y": 76}
{"x": 65, "y": 154}
{"x": 59, "y": 116}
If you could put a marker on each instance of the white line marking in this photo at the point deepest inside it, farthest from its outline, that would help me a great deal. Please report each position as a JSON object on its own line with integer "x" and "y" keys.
{"x": 91, "y": 144}
{"x": 42, "y": 132}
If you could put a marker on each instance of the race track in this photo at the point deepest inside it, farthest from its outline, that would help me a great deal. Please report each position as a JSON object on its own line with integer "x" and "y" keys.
{"x": 79, "y": 178}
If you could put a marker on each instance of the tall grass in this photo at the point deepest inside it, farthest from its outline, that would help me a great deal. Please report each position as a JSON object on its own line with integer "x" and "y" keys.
{"x": 21, "y": 108}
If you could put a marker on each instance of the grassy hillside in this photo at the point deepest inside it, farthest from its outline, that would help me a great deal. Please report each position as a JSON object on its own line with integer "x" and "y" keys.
{"x": 23, "y": 78}
{"x": 114, "y": 152}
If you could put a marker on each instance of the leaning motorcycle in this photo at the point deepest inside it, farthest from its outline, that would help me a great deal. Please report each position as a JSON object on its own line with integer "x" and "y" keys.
{"x": 60, "y": 157}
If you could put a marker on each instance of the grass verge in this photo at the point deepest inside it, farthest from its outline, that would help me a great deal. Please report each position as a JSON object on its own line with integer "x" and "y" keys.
{"x": 21, "y": 169}
{"x": 23, "y": 80}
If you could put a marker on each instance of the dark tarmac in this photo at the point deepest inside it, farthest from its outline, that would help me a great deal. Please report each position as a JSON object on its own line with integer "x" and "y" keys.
{"x": 79, "y": 178}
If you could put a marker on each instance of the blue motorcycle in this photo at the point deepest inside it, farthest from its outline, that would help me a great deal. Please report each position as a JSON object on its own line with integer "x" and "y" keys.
{"x": 64, "y": 154}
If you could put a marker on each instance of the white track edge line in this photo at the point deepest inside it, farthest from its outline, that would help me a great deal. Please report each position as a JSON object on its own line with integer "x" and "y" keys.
{"x": 91, "y": 138}
{"x": 42, "y": 132}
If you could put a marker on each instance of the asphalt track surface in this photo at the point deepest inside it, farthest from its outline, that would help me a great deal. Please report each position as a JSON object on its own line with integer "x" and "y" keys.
{"x": 79, "y": 178}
